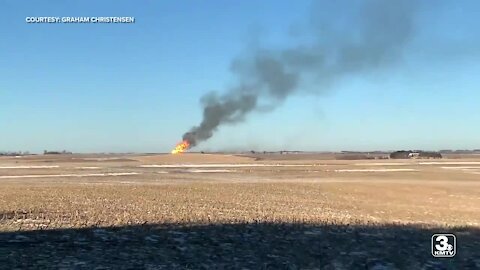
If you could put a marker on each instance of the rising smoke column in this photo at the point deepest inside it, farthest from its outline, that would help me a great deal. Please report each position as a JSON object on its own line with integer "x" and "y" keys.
{"x": 368, "y": 35}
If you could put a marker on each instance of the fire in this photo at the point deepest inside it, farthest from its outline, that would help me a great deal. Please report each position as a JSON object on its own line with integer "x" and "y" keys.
{"x": 181, "y": 147}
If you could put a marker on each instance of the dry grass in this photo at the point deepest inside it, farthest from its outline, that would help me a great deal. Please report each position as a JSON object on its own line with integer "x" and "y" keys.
{"x": 267, "y": 194}
{"x": 312, "y": 196}
{"x": 37, "y": 207}
{"x": 112, "y": 205}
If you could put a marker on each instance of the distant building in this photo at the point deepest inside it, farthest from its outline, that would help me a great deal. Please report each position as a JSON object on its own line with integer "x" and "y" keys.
{"x": 414, "y": 155}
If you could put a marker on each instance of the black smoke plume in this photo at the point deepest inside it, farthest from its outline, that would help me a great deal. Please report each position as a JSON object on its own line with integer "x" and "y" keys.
{"x": 365, "y": 35}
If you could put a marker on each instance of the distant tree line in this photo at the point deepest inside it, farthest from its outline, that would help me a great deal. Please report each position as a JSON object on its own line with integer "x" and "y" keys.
{"x": 414, "y": 154}
{"x": 26, "y": 153}
{"x": 344, "y": 156}
{"x": 17, "y": 153}
{"x": 64, "y": 152}
{"x": 447, "y": 151}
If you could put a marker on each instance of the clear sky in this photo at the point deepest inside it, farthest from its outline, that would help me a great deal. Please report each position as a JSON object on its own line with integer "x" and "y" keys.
{"x": 136, "y": 87}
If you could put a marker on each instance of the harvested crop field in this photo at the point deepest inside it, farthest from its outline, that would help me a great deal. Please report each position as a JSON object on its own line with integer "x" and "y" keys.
{"x": 204, "y": 211}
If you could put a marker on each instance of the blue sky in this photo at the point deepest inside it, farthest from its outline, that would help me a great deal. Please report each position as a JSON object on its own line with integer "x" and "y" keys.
{"x": 136, "y": 87}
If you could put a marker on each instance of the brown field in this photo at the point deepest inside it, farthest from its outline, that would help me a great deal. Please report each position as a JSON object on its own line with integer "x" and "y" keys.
{"x": 204, "y": 211}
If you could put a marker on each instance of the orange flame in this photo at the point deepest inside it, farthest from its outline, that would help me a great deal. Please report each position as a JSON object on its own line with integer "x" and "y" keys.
{"x": 181, "y": 147}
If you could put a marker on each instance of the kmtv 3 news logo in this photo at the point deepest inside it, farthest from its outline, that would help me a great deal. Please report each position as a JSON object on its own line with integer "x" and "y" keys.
{"x": 444, "y": 245}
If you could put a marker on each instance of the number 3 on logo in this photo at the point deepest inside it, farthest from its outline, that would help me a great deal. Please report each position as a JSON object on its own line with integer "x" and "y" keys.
{"x": 443, "y": 240}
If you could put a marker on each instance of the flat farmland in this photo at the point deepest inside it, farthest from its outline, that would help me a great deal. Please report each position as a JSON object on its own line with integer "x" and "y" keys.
{"x": 268, "y": 211}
